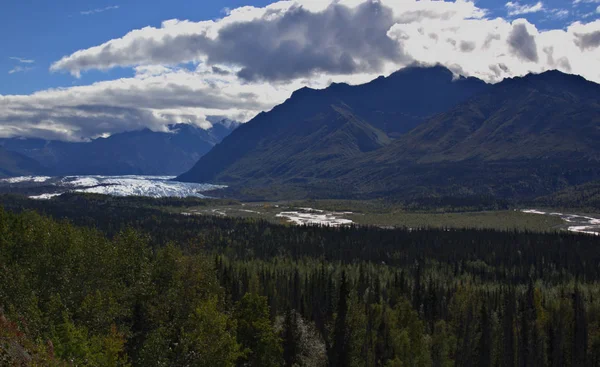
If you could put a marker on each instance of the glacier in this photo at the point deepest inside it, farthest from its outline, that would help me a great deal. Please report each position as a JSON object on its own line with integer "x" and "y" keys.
{"x": 150, "y": 186}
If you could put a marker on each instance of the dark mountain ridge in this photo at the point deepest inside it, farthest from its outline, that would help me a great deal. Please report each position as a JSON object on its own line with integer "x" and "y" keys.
{"x": 15, "y": 164}
{"x": 387, "y": 107}
{"x": 523, "y": 137}
{"x": 143, "y": 152}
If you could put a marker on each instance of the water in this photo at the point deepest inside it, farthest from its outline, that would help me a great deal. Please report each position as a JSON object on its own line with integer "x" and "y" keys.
{"x": 576, "y": 223}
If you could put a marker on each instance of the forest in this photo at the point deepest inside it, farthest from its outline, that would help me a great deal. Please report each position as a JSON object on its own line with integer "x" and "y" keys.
{"x": 98, "y": 281}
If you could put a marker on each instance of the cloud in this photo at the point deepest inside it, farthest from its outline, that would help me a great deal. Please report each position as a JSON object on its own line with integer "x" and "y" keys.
{"x": 598, "y": 9}
{"x": 587, "y": 36}
{"x": 515, "y": 8}
{"x": 99, "y": 10}
{"x": 559, "y": 13}
{"x": 279, "y": 42}
{"x": 576, "y": 2}
{"x": 254, "y": 58}
{"x": 522, "y": 43}
{"x": 154, "y": 98}
{"x": 588, "y": 40}
{"x": 19, "y": 69}
{"x": 22, "y": 60}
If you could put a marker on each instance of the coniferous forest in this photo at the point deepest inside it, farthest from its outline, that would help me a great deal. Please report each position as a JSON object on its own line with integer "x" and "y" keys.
{"x": 95, "y": 281}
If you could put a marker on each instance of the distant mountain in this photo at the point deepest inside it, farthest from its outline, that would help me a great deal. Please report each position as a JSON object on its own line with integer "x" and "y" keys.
{"x": 521, "y": 138}
{"x": 142, "y": 152}
{"x": 313, "y": 128}
{"x": 15, "y": 164}
{"x": 549, "y": 115}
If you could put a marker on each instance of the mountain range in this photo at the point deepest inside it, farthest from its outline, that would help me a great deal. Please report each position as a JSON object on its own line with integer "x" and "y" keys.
{"x": 143, "y": 152}
{"x": 15, "y": 164}
{"x": 419, "y": 132}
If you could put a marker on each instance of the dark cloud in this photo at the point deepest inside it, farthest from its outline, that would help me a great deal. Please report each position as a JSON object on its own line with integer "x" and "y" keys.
{"x": 419, "y": 15}
{"x": 339, "y": 40}
{"x": 562, "y": 62}
{"x": 217, "y": 70}
{"x": 467, "y": 46}
{"x": 295, "y": 43}
{"x": 587, "y": 40}
{"x": 488, "y": 40}
{"x": 522, "y": 44}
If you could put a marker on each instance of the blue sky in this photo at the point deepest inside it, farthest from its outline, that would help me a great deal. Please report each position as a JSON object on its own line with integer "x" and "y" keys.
{"x": 44, "y": 31}
{"x": 128, "y": 64}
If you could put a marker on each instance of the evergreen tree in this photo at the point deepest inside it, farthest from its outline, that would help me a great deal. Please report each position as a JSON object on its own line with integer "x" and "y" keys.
{"x": 340, "y": 353}
{"x": 260, "y": 344}
{"x": 580, "y": 331}
{"x": 290, "y": 338}
{"x": 485, "y": 340}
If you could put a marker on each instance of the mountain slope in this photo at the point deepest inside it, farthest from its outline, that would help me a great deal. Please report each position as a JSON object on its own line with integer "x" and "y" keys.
{"x": 142, "y": 152}
{"x": 524, "y": 137}
{"x": 15, "y": 164}
{"x": 521, "y": 138}
{"x": 550, "y": 115}
{"x": 298, "y": 149}
{"x": 287, "y": 141}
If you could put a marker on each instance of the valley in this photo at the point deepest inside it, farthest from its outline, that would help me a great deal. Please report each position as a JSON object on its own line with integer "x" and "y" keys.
{"x": 296, "y": 213}
{"x": 300, "y": 183}
{"x": 334, "y": 213}
{"x": 136, "y": 189}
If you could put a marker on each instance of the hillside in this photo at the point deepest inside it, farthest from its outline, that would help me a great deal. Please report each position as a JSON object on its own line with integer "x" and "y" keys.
{"x": 142, "y": 152}
{"x": 15, "y": 164}
{"x": 518, "y": 139}
{"x": 313, "y": 129}
{"x": 550, "y": 115}
{"x": 524, "y": 137}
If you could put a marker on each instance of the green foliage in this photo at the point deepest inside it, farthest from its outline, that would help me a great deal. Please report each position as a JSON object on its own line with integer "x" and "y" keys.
{"x": 258, "y": 294}
{"x": 261, "y": 345}
{"x": 111, "y": 302}
{"x": 211, "y": 339}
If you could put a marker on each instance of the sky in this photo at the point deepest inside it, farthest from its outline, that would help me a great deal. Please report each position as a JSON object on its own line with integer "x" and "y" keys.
{"x": 78, "y": 69}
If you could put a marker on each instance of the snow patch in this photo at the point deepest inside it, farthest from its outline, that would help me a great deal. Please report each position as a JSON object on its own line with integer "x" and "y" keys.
{"x": 45, "y": 196}
{"x": 22, "y": 179}
{"x": 310, "y": 216}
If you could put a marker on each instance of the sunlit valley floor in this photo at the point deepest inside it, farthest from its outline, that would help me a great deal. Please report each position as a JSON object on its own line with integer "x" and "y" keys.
{"x": 311, "y": 212}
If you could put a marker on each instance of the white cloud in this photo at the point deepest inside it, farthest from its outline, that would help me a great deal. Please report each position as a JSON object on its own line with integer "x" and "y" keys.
{"x": 585, "y": 1}
{"x": 154, "y": 98}
{"x": 559, "y": 13}
{"x": 19, "y": 69}
{"x": 515, "y": 8}
{"x": 598, "y": 9}
{"x": 99, "y": 10}
{"x": 22, "y": 60}
{"x": 254, "y": 58}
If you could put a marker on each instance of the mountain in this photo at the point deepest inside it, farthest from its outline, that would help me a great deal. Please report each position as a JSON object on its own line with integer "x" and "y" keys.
{"x": 142, "y": 152}
{"x": 549, "y": 115}
{"x": 314, "y": 128}
{"x": 15, "y": 164}
{"x": 521, "y": 138}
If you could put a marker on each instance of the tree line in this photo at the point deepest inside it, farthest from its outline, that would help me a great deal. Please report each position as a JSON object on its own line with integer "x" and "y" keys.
{"x": 133, "y": 286}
